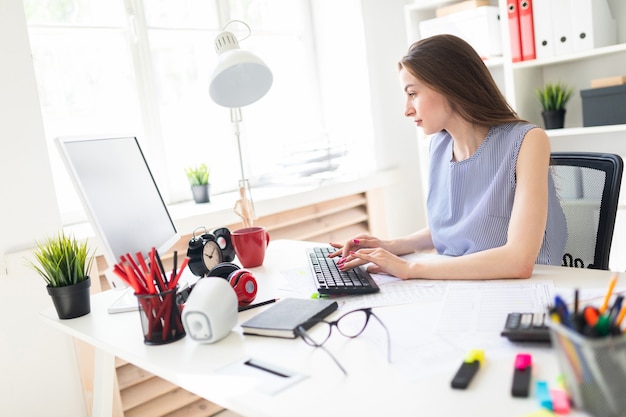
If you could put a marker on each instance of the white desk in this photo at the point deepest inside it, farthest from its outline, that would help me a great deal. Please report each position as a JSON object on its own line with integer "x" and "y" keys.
{"x": 372, "y": 387}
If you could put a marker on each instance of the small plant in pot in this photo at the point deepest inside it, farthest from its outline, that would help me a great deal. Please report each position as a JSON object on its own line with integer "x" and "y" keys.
{"x": 198, "y": 177}
{"x": 553, "y": 97}
{"x": 64, "y": 263}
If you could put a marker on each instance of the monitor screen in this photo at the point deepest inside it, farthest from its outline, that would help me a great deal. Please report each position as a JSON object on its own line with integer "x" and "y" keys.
{"x": 120, "y": 196}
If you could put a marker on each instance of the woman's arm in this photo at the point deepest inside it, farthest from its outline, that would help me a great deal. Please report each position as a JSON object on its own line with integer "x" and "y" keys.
{"x": 516, "y": 258}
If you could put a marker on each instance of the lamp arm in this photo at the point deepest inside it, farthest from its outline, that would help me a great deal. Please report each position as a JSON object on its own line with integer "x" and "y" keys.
{"x": 244, "y": 207}
{"x": 235, "y": 118}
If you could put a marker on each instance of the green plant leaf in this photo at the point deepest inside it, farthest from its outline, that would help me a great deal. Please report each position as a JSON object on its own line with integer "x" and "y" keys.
{"x": 62, "y": 260}
{"x": 554, "y": 96}
{"x": 198, "y": 175}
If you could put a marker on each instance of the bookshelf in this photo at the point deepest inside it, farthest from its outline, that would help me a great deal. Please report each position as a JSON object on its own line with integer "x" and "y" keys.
{"x": 519, "y": 80}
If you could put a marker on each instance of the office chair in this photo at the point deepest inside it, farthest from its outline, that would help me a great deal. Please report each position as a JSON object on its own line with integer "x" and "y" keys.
{"x": 588, "y": 185}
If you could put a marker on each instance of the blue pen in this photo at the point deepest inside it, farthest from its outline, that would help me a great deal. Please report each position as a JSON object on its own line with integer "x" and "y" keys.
{"x": 563, "y": 312}
{"x": 615, "y": 308}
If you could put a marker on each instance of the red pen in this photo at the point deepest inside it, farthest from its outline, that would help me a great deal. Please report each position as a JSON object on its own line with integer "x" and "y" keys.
{"x": 132, "y": 277}
{"x": 175, "y": 263}
{"x": 142, "y": 262}
{"x": 183, "y": 265}
{"x": 138, "y": 272}
{"x": 156, "y": 273}
{"x": 591, "y": 315}
{"x": 124, "y": 277}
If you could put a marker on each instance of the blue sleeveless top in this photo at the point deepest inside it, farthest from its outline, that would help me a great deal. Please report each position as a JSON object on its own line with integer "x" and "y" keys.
{"x": 469, "y": 202}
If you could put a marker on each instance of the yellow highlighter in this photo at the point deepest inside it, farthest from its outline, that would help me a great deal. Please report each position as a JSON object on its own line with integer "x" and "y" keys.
{"x": 468, "y": 369}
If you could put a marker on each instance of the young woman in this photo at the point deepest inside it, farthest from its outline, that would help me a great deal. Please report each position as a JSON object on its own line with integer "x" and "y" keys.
{"x": 491, "y": 205}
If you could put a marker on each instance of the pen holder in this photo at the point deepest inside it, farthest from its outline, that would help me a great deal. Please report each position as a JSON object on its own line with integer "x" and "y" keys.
{"x": 160, "y": 317}
{"x": 594, "y": 370}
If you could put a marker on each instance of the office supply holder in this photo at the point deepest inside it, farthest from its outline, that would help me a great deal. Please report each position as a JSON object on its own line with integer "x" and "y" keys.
{"x": 160, "y": 317}
{"x": 594, "y": 370}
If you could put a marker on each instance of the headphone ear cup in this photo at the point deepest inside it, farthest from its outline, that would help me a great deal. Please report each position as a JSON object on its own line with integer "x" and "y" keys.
{"x": 223, "y": 270}
{"x": 244, "y": 284}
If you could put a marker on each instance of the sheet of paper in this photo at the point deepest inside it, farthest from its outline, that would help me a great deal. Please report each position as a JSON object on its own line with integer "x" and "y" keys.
{"x": 266, "y": 377}
{"x": 393, "y": 291}
{"x": 482, "y": 306}
{"x": 445, "y": 320}
{"x": 471, "y": 316}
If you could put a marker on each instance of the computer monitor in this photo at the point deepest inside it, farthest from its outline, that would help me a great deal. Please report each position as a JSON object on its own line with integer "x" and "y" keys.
{"x": 120, "y": 196}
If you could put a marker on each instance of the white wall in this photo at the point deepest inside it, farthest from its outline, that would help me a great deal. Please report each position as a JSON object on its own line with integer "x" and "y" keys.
{"x": 38, "y": 374}
{"x": 395, "y": 135}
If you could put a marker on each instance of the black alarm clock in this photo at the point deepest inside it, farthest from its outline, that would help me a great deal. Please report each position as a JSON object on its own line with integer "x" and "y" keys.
{"x": 207, "y": 250}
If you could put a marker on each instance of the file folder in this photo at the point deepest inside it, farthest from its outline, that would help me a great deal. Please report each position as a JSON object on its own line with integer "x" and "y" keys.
{"x": 514, "y": 30}
{"x": 562, "y": 24}
{"x": 542, "y": 23}
{"x": 593, "y": 25}
{"x": 480, "y": 27}
{"x": 526, "y": 28}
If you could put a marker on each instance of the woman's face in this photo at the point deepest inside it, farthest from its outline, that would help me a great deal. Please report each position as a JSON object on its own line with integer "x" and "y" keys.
{"x": 424, "y": 105}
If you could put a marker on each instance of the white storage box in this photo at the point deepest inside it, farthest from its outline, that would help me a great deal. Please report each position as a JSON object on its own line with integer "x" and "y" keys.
{"x": 480, "y": 27}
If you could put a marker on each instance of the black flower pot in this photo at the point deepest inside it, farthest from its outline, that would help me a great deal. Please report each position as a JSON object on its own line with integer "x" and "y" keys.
{"x": 71, "y": 301}
{"x": 553, "y": 119}
{"x": 201, "y": 193}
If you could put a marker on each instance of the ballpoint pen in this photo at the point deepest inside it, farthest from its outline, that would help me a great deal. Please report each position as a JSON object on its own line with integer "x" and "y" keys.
{"x": 262, "y": 303}
{"x": 615, "y": 309}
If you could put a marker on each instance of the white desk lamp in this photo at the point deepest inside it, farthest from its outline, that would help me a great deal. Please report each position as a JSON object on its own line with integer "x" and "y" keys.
{"x": 239, "y": 79}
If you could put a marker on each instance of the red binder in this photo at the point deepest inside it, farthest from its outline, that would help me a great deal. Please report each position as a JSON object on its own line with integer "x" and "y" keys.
{"x": 514, "y": 30}
{"x": 526, "y": 29}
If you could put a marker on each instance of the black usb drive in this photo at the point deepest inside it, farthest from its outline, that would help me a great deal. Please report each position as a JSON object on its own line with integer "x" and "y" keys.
{"x": 468, "y": 369}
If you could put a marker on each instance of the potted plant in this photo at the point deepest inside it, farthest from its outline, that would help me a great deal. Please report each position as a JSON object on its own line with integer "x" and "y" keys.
{"x": 198, "y": 177}
{"x": 553, "y": 98}
{"x": 64, "y": 264}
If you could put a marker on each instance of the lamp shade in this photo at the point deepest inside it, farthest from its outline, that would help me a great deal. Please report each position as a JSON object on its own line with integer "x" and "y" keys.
{"x": 240, "y": 77}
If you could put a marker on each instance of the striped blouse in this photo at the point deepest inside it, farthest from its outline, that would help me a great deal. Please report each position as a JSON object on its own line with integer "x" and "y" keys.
{"x": 469, "y": 202}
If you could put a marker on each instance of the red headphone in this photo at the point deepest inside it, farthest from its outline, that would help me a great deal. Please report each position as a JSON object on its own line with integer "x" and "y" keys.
{"x": 242, "y": 281}
{"x": 244, "y": 284}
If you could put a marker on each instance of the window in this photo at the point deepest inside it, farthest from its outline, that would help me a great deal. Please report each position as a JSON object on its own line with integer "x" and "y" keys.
{"x": 128, "y": 67}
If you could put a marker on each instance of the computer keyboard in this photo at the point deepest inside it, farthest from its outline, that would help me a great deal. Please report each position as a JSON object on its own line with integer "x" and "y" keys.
{"x": 330, "y": 280}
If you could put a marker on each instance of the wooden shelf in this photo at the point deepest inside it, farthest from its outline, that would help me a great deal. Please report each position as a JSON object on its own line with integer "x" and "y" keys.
{"x": 578, "y": 56}
{"x": 591, "y": 130}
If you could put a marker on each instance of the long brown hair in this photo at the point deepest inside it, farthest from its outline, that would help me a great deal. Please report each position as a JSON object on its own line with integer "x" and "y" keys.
{"x": 450, "y": 66}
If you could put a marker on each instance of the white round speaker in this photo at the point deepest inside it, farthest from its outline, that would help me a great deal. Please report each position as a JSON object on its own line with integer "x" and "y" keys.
{"x": 210, "y": 312}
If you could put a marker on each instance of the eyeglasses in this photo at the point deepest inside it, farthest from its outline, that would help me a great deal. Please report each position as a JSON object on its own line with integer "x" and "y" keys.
{"x": 350, "y": 325}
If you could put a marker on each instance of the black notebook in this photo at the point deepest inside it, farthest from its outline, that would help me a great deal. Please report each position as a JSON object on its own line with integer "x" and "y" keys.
{"x": 282, "y": 319}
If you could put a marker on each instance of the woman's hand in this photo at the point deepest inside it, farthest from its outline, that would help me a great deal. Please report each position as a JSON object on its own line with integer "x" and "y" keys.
{"x": 360, "y": 241}
{"x": 382, "y": 262}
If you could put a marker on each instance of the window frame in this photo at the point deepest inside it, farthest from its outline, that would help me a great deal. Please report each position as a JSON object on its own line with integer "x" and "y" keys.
{"x": 151, "y": 125}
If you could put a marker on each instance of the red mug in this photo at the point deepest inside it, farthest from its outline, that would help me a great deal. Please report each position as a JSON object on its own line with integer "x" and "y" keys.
{"x": 250, "y": 244}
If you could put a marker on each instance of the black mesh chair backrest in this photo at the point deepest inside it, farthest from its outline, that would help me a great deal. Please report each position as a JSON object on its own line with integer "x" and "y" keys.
{"x": 588, "y": 185}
